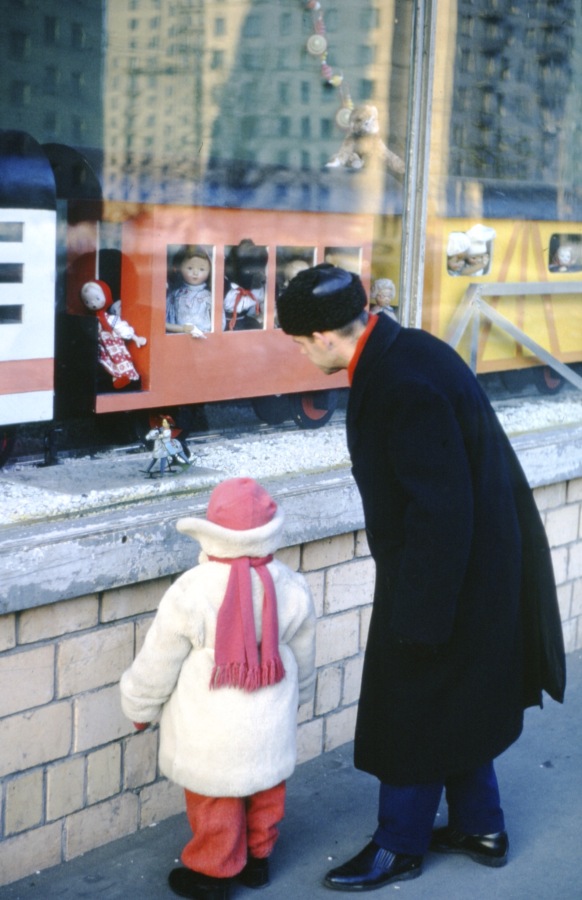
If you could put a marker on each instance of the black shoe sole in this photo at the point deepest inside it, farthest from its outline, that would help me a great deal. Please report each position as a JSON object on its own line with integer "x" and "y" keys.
{"x": 491, "y": 861}
{"x": 360, "y": 888}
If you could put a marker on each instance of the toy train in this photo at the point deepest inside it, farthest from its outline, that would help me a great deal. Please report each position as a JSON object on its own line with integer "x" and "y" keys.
{"x": 62, "y": 351}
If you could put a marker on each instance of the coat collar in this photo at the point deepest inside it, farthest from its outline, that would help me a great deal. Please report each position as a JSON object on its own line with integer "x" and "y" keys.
{"x": 379, "y": 340}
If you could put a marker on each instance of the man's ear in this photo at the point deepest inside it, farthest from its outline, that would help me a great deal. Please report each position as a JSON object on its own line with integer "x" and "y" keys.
{"x": 323, "y": 338}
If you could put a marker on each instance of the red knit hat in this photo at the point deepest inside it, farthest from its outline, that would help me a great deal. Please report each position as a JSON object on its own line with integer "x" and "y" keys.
{"x": 240, "y": 504}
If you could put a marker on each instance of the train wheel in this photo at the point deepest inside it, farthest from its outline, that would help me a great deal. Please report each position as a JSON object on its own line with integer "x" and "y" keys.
{"x": 6, "y": 445}
{"x": 273, "y": 409}
{"x": 313, "y": 409}
{"x": 547, "y": 380}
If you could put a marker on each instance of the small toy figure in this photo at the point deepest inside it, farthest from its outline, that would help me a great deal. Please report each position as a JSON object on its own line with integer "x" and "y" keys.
{"x": 563, "y": 259}
{"x": 114, "y": 357}
{"x": 166, "y": 449}
{"x": 469, "y": 252}
{"x": 228, "y": 659}
{"x": 245, "y": 279}
{"x": 382, "y": 295}
{"x": 363, "y": 145}
{"x": 189, "y": 300}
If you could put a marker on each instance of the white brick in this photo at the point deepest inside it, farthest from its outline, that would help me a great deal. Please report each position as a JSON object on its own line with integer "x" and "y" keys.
{"x": 98, "y": 825}
{"x": 337, "y": 637}
{"x": 574, "y": 490}
{"x": 349, "y": 585}
{"x": 362, "y": 546}
{"x": 27, "y": 679}
{"x": 103, "y": 773}
{"x": 24, "y": 802}
{"x": 365, "y": 616}
{"x": 328, "y": 690}
{"x": 46, "y": 622}
{"x": 65, "y": 792}
{"x": 159, "y": 801}
{"x": 560, "y": 564}
{"x": 30, "y": 852}
{"x": 316, "y": 583}
{"x": 94, "y": 659}
{"x": 99, "y": 719}
{"x": 309, "y": 740}
{"x": 32, "y": 738}
{"x": 7, "y": 632}
{"x": 565, "y": 595}
{"x": 140, "y": 756}
{"x": 562, "y": 524}
{"x": 574, "y": 562}
{"x": 352, "y": 680}
{"x": 572, "y": 636}
{"x": 327, "y": 552}
{"x": 550, "y": 495}
{"x": 340, "y": 728}
{"x": 290, "y": 556}
{"x": 133, "y": 599}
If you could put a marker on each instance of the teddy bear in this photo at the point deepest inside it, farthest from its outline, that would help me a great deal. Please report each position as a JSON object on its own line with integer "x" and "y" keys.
{"x": 363, "y": 145}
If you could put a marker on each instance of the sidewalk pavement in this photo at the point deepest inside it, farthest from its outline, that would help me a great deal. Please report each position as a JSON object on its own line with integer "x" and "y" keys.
{"x": 331, "y": 816}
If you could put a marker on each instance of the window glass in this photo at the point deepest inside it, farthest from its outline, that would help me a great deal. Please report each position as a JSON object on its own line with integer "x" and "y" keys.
{"x": 504, "y": 229}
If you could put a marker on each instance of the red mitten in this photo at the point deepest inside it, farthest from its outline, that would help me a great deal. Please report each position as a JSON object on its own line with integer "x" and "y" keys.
{"x": 141, "y": 726}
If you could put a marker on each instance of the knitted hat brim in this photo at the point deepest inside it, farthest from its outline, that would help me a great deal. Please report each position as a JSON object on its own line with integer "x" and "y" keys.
{"x": 216, "y": 540}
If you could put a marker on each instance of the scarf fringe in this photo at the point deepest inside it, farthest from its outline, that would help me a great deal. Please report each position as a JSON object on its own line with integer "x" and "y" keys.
{"x": 237, "y": 675}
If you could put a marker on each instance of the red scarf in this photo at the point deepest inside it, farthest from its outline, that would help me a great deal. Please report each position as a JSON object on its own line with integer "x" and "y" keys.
{"x": 240, "y": 293}
{"x": 236, "y": 654}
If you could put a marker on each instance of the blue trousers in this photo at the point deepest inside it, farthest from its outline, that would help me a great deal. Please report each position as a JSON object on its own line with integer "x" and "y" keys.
{"x": 406, "y": 814}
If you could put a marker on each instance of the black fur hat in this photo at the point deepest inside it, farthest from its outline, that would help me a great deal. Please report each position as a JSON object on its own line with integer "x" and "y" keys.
{"x": 323, "y": 298}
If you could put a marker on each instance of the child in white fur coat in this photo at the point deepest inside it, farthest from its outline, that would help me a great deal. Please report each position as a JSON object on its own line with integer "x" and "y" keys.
{"x": 227, "y": 661}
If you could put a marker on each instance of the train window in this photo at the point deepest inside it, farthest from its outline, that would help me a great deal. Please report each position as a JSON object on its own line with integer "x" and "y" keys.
{"x": 245, "y": 279}
{"x": 349, "y": 258}
{"x": 11, "y": 232}
{"x": 565, "y": 253}
{"x": 11, "y": 273}
{"x": 469, "y": 252}
{"x": 189, "y": 289}
{"x": 10, "y": 315}
{"x": 290, "y": 261}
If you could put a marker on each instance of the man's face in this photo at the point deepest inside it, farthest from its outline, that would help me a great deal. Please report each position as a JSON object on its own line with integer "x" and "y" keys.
{"x": 320, "y": 351}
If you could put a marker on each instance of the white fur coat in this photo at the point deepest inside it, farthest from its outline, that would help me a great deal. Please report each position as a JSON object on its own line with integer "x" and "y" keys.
{"x": 223, "y": 742}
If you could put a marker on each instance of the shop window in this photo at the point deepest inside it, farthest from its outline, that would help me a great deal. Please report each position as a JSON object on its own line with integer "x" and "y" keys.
{"x": 10, "y": 315}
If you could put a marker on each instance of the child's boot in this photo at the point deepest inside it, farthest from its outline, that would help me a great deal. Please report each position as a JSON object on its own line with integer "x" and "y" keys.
{"x": 188, "y": 883}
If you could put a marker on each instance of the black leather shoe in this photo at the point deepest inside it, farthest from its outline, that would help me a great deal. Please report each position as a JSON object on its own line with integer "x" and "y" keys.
{"x": 487, "y": 849}
{"x": 372, "y": 868}
{"x": 188, "y": 883}
{"x": 256, "y": 872}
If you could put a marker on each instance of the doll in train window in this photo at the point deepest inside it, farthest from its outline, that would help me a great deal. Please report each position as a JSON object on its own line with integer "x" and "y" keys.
{"x": 189, "y": 290}
{"x": 245, "y": 279}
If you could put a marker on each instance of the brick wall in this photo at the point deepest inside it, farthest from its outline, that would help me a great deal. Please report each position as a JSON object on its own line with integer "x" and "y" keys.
{"x": 75, "y": 775}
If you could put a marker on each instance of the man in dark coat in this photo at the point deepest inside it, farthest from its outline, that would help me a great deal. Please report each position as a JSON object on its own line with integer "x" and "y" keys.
{"x": 465, "y": 630}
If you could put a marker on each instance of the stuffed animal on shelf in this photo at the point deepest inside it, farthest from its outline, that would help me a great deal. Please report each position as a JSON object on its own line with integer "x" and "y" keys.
{"x": 363, "y": 145}
{"x": 113, "y": 355}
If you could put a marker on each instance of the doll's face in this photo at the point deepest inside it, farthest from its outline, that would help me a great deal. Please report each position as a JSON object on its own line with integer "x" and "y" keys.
{"x": 383, "y": 295}
{"x": 92, "y": 296}
{"x": 478, "y": 259}
{"x": 195, "y": 270}
{"x": 455, "y": 262}
{"x": 293, "y": 268}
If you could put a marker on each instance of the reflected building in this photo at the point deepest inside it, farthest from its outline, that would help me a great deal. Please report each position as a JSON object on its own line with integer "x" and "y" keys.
{"x": 50, "y": 71}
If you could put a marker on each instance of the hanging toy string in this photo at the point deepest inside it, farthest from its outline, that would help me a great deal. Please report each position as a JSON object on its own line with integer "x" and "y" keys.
{"x": 317, "y": 46}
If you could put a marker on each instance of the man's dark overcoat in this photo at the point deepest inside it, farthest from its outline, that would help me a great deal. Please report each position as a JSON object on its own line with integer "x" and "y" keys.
{"x": 465, "y": 630}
